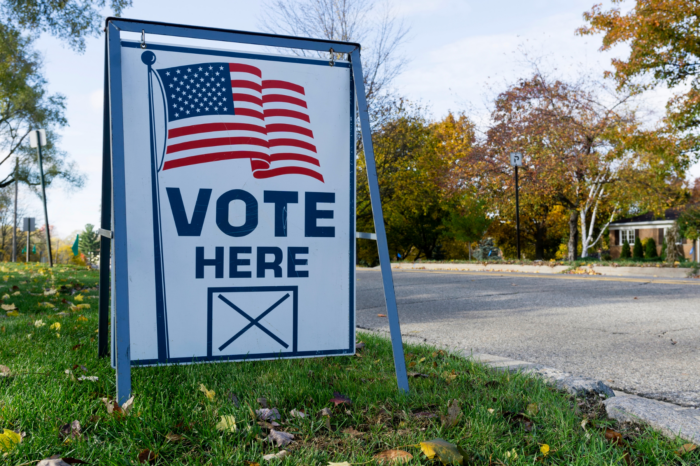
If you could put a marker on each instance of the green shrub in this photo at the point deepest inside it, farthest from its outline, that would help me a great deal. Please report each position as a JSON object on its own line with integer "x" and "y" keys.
{"x": 625, "y": 254}
{"x": 638, "y": 250}
{"x": 606, "y": 257}
{"x": 650, "y": 249}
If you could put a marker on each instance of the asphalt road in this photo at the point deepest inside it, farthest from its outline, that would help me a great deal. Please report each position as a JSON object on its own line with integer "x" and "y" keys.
{"x": 639, "y": 336}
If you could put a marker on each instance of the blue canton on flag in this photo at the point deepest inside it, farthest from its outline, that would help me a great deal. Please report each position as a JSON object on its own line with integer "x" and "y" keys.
{"x": 198, "y": 90}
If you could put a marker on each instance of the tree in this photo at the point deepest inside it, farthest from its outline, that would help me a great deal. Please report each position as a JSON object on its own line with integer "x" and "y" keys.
{"x": 638, "y": 250}
{"x": 372, "y": 23}
{"x": 583, "y": 148}
{"x": 625, "y": 253}
{"x": 689, "y": 223}
{"x": 26, "y": 105}
{"x": 663, "y": 37}
{"x": 89, "y": 242}
{"x": 70, "y": 20}
{"x": 469, "y": 220}
{"x": 650, "y": 249}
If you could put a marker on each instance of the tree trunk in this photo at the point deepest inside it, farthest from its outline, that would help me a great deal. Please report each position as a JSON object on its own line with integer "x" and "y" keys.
{"x": 573, "y": 235}
{"x": 540, "y": 234}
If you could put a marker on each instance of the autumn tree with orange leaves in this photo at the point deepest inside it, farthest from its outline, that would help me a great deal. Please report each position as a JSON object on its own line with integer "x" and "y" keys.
{"x": 583, "y": 150}
{"x": 664, "y": 41}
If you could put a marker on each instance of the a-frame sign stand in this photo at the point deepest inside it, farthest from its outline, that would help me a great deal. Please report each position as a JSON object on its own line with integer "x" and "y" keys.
{"x": 113, "y": 185}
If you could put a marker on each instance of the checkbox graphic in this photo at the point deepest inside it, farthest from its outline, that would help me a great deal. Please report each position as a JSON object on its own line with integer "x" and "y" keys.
{"x": 252, "y": 321}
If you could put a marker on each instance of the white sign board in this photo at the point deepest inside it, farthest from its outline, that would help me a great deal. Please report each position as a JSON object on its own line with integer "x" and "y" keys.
{"x": 516, "y": 159}
{"x": 240, "y": 218}
{"x": 36, "y": 136}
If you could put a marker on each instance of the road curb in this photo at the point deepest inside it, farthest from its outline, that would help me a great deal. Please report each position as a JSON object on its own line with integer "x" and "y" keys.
{"x": 671, "y": 420}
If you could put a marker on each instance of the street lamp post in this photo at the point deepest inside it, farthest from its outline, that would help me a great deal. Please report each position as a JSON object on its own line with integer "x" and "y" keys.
{"x": 37, "y": 139}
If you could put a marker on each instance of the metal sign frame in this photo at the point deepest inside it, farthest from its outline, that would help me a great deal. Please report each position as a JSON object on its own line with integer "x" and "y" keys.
{"x": 113, "y": 224}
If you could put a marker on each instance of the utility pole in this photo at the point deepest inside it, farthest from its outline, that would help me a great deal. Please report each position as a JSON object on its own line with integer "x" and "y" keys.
{"x": 14, "y": 229}
{"x": 516, "y": 160}
{"x": 40, "y": 139}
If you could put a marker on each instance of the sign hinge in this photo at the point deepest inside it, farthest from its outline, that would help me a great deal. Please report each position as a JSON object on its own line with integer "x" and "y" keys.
{"x": 106, "y": 233}
{"x": 361, "y": 235}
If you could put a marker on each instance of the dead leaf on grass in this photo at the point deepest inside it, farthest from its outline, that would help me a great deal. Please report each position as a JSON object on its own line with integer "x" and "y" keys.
{"x": 454, "y": 413}
{"x": 210, "y": 394}
{"x": 227, "y": 424}
{"x": 71, "y": 430}
{"x": 174, "y": 438}
{"x": 352, "y": 432}
{"x": 297, "y": 413}
{"x": 89, "y": 378}
{"x": 147, "y": 456}
{"x": 268, "y": 414}
{"x": 279, "y": 438}
{"x": 532, "y": 409}
{"x": 339, "y": 399}
{"x": 393, "y": 456}
{"x": 687, "y": 448}
{"x": 4, "y": 371}
{"x": 114, "y": 408}
{"x": 234, "y": 399}
{"x": 8, "y": 307}
{"x": 325, "y": 412}
{"x": 276, "y": 456}
{"x": 359, "y": 345}
{"x": 614, "y": 437}
{"x": 425, "y": 415}
{"x": 9, "y": 440}
{"x": 262, "y": 402}
{"x": 417, "y": 374}
{"x": 446, "y": 452}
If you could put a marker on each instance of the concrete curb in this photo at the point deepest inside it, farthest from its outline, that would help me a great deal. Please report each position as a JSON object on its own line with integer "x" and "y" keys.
{"x": 653, "y": 272}
{"x": 671, "y": 420}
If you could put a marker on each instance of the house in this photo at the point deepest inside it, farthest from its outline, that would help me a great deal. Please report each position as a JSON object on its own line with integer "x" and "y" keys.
{"x": 645, "y": 226}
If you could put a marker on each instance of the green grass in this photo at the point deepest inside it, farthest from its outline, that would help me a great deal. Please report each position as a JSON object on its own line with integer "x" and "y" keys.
{"x": 39, "y": 397}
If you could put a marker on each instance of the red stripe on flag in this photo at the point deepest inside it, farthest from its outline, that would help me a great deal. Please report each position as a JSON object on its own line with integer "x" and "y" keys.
{"x": 246, "y": 84}
{"x": 298, "y": 157}
{"x": 280, "y": 112}
{"x": 213, "y": 142}
{"x": 274, "y": 84}
{"x": 215, "y": 157}
{"x": 282, "y": 98}
{"x": 211, "y": 127}
{"x": 249, "y": 112}
{"x": 282, "y": 128}
{"x": 291, "y": 143}
{"x": 240, "y": 68}
{"x": 287, "y": 171}
{"x": 247, "y": 98}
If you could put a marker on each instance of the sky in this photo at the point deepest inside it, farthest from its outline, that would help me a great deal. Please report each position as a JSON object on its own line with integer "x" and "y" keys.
{"x": 459, "y": 54}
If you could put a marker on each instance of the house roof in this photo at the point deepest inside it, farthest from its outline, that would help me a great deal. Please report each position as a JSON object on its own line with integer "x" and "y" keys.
{"x": 669, "y": 214}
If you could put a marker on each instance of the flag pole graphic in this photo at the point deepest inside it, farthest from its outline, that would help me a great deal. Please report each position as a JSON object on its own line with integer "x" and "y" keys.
{"x": 149, "y": 58}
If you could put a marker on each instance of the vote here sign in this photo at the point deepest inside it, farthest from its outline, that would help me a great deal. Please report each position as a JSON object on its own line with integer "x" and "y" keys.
{"x": 240, "y": 218}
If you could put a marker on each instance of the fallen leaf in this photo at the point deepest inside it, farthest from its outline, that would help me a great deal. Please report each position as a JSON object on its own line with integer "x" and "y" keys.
{"x": 6, "y": 296}
{"x": 454, "y": 413}
{"x": 279, "y": 438}
{"x": 446, "y": 452}
{"x": 71, "y": 430}
{"x": 234, "y": 399}
{"x": 82, "y": 319}
{"x": 52, "y": 462}
{"x": 50, "y": 292}
{"x": 339, "y": 399}
{"x": 55, "y": 326}
{"x": 16, "y": 293}
{"x": 262, "y": 402}
{"x": 381, "y": 315}
{"x": 39, "y": 323}
{"x": 78, "y": 297}
{"x": 359, "y": 345}
{"x": 90, "y": 378}
{"x": 76, "y": 347}
{"x": 532, "y": 409}
{"x": 174, "y": 438}
{"x": 544, "y": 448}
{"x": 210, "y": 394}
{"x": 276, "y": 456}
{"x": 227, "y": 424}
{"x": 147, "y": 456}
{"x": 393, "y": 456}
{"x": 688, "y": 447}
{"x": 74, "y": 461}
{"x": 267, "y": 414}
{"x": 12, "y": 314}
{"x": 344, "y": 463}
{"x": 417, "y": 374}
{"x": 425, "y": 415}
{"x": 4, "y": 371}
{"x": 325, "y": 412}
{"x": 614, "y": 437}
{"x": 9, "y": 440}
{"x": 296, "y": 413}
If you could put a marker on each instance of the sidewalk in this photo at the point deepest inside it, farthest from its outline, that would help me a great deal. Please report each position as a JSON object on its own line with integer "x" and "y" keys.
{"x": 544, "y": 268}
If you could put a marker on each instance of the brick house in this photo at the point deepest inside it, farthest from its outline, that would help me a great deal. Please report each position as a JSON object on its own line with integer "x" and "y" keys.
{"x": 645, "y": 226}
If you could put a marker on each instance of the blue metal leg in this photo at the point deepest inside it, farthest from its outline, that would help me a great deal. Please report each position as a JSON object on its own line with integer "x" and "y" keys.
{"x": 389, "y": 294}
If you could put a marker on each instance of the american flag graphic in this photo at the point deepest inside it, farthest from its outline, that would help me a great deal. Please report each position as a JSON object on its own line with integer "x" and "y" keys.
{"x": 225, "y": 111}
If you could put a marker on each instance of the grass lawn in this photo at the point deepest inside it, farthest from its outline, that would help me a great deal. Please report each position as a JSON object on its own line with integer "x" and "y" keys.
{"x": 501, "y": 419}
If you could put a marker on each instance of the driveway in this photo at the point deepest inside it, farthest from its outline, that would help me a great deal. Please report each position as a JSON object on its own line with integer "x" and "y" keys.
{"x": 637, "y": 335}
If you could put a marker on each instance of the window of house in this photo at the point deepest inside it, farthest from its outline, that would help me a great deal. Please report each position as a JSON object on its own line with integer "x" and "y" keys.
{"x": 627, "y": 235}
